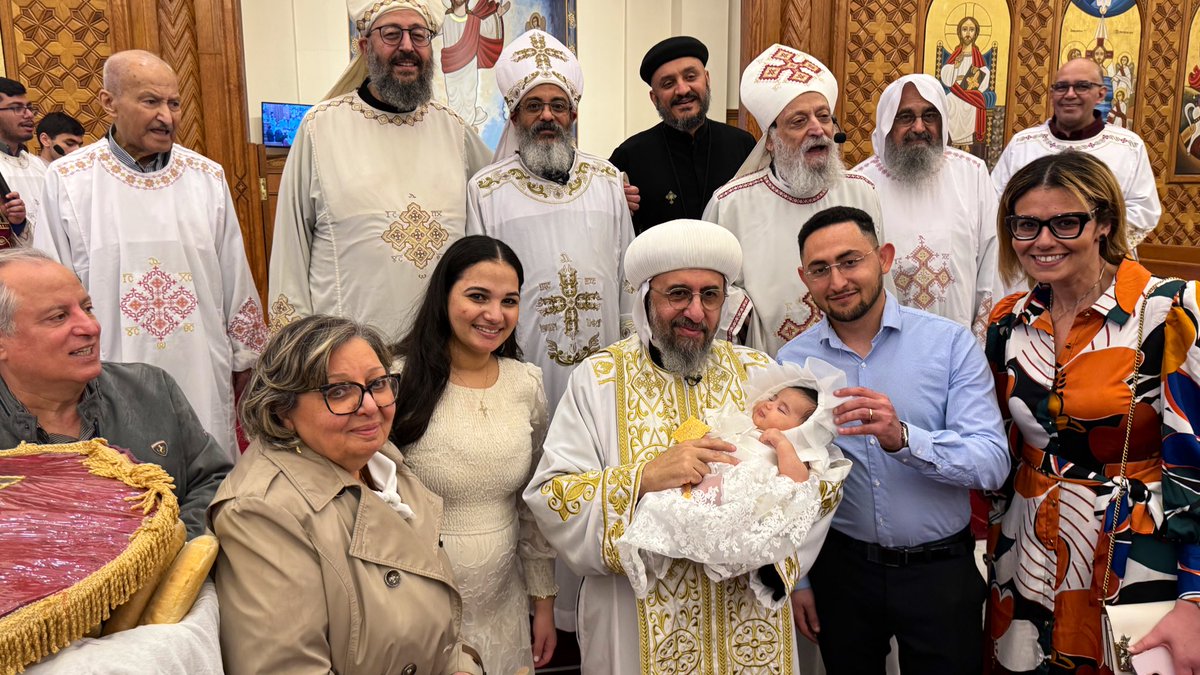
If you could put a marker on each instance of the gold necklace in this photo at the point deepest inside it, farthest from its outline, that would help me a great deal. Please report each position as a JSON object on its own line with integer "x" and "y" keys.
{"x": 483, "y": 390}
{"x": 1086, "y": 294}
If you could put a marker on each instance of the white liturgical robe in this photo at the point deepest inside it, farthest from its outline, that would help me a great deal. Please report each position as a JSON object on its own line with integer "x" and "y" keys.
{"x": 161, "y": 254}
{"x": 571, "y": 240}
{"x": 944, "y": 231}
{"x": 619, "y": 412}
{"x": 766, "y": 215}
{"x": 25, "y": 175}
{"x": 1121, "y": 149}
{"x": 369, "y": 201}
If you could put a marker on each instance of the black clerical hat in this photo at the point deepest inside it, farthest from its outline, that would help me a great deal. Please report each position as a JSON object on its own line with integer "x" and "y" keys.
{"x": 670, "y": 49}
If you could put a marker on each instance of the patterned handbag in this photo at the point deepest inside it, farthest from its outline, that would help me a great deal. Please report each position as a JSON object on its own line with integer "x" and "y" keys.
{"x": 1123, "y": 625}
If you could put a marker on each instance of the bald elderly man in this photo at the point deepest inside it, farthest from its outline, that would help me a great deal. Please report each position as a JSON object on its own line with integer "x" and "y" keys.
{"x": 149, "y": 227}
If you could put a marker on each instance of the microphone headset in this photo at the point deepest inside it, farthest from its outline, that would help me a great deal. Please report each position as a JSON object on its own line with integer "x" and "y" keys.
{"x": 839, "y": 136}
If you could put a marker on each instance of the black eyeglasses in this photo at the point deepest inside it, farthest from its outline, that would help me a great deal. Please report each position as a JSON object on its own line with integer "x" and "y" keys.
{"x": 21, "y": 109}
{"x": 1081, "y": 87}
{"x": 345, "y": 398}
{"x": 1062, "y": 226}
{"x": 822, "y": 271}
{"x": 681, "y": 297}
{"x": 907, "y": 119}
{"x": 535, "y": 107}
{"x": 420, "y": 36}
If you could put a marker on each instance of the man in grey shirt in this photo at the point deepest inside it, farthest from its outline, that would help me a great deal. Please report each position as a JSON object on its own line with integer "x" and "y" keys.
{"x": 54, "y": 388}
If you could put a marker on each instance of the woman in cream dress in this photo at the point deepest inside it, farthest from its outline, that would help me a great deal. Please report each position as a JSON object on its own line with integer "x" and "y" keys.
{"x": 472, "y": 431}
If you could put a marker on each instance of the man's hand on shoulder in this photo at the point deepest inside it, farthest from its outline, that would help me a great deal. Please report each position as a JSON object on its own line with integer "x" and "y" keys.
{"x": 684, "y": 464}
{"x": 633, "y": 197}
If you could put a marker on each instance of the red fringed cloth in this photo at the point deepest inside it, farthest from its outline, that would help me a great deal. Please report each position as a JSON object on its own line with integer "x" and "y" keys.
{"x": 81, "y": 528}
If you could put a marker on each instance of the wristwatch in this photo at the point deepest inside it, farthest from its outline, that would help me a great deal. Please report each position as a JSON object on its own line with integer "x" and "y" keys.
{"x": 903, "y": 436}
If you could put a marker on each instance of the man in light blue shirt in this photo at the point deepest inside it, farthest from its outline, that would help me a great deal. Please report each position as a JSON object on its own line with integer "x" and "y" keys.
{"x": 921, "y": 424}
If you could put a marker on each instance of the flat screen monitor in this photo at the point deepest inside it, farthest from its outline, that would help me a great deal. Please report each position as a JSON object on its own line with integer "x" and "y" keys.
{"x": 280, "y": 122}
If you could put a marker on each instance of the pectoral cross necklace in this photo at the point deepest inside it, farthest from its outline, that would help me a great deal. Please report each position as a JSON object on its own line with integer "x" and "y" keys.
{"x": 486, "y": 383}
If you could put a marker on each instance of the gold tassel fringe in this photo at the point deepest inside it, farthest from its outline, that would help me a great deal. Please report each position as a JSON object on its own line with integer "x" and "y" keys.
{"x": 45, "y": 626}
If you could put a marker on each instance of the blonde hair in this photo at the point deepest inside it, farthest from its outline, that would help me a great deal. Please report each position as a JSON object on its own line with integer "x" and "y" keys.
{"x": 296, "y": 360}
{"x": 1089, "y": 180}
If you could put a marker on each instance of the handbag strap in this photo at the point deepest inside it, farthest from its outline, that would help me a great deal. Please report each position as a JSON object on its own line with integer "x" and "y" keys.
{"x": 1122, "y": 485}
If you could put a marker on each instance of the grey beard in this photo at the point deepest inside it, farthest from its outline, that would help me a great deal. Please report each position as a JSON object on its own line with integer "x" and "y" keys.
{"x": 913, "y": 164}
{"x": 793, "y": 170}
{"x": 403, "y": 97}
{"x": 680, "y": 357}
{"x": 685, "y": 124}
{"x": 549, "y": 159}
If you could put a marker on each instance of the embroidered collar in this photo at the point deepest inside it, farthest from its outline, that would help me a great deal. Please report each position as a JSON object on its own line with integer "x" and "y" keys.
{"x": 1090, "y": 131}
{"x": 157, "y": 162}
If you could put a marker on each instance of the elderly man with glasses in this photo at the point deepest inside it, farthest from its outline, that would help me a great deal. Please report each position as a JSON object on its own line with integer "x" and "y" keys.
{"x": 1077, "y": 89}
{"x": 375, "y": 186}
{"x": 919, "y": 420}
{"x": 21, "y": 174}
{"x": 939, "y": 206}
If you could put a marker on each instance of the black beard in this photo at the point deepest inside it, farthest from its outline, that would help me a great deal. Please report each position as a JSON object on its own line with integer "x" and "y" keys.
{"x": 913, "y": 164}
{"x": 403, "y": 96}
{"x": 684, "y": 124}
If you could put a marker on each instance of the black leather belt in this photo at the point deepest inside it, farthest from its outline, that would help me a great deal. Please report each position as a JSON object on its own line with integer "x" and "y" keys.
{"x": 953, "y": 546}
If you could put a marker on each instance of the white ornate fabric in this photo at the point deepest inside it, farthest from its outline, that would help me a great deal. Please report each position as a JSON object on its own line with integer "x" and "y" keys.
{"x": 162, "y": 256}
{"x": 368, "y": 202}
{"x": 757, "y": 517}
{"x": 619, "y": 413}
{"x": 571, "y": 240}
{"x": 26, "y": 175}
{"x": 765, "y": 215}
{"x": 944, "y": 229}
{"x": 479, "y": 463}
{"x": 1121, "y": 149}
{"x": 773, "y": 80}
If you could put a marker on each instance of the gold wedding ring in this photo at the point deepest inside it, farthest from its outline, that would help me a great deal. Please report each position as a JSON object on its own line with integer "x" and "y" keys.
{"x": 871, "y": 412}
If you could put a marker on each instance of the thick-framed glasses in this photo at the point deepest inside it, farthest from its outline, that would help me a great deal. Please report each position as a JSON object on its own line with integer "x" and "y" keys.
{"x": 345, "y": 398}
{"x": 535, "y": 107}
{"x": 1081, "y": 87}
{"x": 420, "y": 36}
{"x": 21, "y": 109}
{"x": 907, "y": 119}
{"x": 1062, "y": 226}
{"x": 848, "y": 265}
{"x": 681, "y": 298}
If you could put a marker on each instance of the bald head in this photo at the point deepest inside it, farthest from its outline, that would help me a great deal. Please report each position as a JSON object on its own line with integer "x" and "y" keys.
{"x": 1093, "y": 69}
{"x": 132, "y": 63}
{"x": 141, "y": 93}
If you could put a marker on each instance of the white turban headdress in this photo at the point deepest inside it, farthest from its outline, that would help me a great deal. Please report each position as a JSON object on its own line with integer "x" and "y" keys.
{"x": 531, "y": 59}
{"x": 364, "y": 14}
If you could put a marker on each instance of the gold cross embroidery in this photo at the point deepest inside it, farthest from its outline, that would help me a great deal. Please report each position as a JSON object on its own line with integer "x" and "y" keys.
{"x": 570, "y": 303}
{"x": 671, "y": 197}
{"x": 417, "y": 236}
{"x": 540, "y": 53}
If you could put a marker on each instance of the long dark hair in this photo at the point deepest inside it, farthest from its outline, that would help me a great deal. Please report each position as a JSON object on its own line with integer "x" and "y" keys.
{"x": 426, "y": 347}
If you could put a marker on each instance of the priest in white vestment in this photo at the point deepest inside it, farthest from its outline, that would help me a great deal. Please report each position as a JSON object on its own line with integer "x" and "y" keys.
{"x": 617, "y": 435}
{"x": 375, "y": 185}
{"x": 939, "y": 207}
{"x": 150, "y": 229}
{"x": 795, "y": 171}
{"x": 562, "y": 210}
{"x": 1077, "y": 125}
{"x": 23, "y": 172}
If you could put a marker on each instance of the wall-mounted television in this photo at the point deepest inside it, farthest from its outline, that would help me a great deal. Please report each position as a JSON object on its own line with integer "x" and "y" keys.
{"x": 280, "y": 122}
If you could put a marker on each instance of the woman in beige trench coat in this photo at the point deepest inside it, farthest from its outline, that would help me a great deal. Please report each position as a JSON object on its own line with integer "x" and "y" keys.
{"x": 330, "y": 552}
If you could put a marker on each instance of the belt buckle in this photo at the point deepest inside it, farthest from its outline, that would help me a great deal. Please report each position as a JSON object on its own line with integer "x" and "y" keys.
{"x": 888, "y": 557}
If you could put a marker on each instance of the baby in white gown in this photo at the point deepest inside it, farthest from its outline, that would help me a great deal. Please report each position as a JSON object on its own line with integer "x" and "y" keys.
{"x": 776, "y": 501}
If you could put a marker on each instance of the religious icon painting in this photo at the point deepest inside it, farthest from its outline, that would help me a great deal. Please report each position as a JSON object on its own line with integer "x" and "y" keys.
{"x": 473, "y": 34}
{"x": 1187, "y": 147}
{"x": 967, "y": 48}
{"x": 1108, "y": 32}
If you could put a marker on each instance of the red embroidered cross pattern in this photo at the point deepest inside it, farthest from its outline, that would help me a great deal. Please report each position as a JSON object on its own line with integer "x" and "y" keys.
{"x": 802, "y": 71}
{"x": 158, "y": 303}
